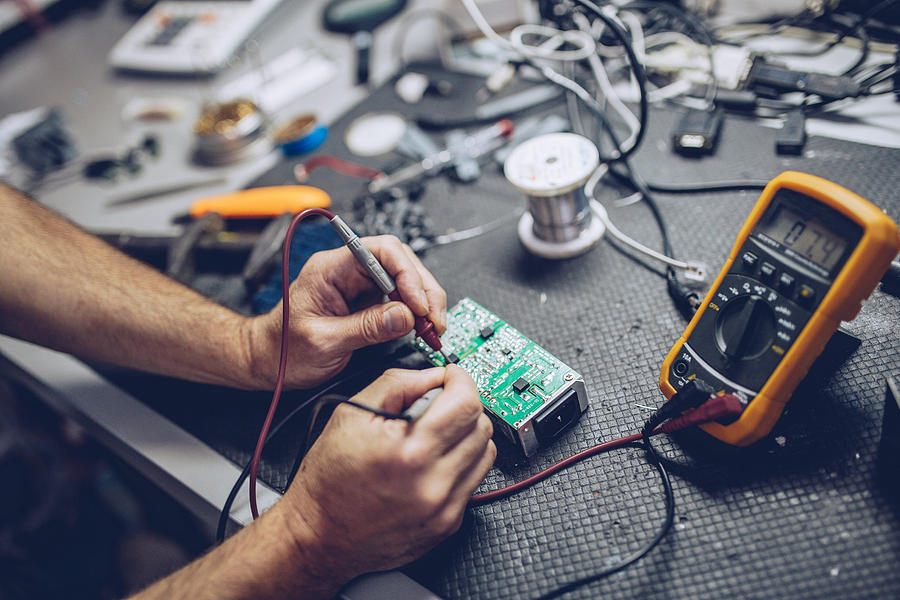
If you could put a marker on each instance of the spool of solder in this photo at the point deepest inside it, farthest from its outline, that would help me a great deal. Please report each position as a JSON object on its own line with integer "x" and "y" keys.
{"x": 551, "y": 171}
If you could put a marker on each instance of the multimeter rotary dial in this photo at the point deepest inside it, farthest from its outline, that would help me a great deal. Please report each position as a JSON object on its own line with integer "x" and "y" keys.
{"x": 745, "y": 327}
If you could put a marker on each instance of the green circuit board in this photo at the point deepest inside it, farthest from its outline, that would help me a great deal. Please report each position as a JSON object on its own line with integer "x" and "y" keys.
{"x": 515, "y": 377}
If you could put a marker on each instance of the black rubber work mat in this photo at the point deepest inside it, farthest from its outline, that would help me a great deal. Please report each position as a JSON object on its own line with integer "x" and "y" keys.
{"x": 798, "y": 515}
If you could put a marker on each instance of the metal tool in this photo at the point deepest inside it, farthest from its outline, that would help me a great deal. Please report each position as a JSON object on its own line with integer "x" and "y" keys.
{"x": 462, "y": 152}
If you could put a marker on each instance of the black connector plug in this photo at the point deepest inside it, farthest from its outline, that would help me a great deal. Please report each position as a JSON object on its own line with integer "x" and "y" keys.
{"x": 694, "y": 393}
{"x": 791, "y": 138}
{"x": 738, "y": 100}
{"x": 697, "y": 132}
{"x": 831, "y": 87}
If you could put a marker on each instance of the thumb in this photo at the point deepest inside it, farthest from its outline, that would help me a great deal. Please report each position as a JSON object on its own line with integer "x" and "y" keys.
{"x": 373, "y": 325}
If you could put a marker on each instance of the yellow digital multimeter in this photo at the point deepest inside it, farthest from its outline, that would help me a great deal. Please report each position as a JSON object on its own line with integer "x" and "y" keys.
{"x": 808, "y": 255}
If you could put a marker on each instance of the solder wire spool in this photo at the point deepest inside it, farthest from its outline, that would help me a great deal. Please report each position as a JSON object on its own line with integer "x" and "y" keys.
{"x": 551, "y": 171}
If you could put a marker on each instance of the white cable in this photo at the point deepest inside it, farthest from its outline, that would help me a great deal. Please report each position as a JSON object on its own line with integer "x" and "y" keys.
{"x": 584, "y": 43}
{"x": 692, "y": 269}
{"x": 606, "y": 88}
{"x": 555, "y": 38}
{"x": 633, "y": 24}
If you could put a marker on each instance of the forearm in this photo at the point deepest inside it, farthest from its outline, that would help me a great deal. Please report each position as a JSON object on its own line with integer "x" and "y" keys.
{"x": 271, "y": 558}
{"x": 65, "y": 289}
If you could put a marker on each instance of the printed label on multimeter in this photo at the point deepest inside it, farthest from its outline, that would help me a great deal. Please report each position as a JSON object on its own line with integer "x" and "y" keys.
{"x": 807, "y": 255}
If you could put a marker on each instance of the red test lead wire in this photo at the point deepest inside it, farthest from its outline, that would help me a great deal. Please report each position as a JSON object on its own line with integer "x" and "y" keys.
{"x": 282, "y": 364}
{"x": 717, "y": 407}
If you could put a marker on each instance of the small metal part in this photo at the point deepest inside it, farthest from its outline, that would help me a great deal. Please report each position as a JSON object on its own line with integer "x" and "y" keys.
{"x": 462, "y": 151}
{"x": 570, "y": 377}
{"x": 229, "y": 132}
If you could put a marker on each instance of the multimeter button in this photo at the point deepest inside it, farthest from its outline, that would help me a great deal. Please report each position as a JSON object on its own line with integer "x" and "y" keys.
{"x": 806, "y": 295}
{"x": 786, "y": 282}
{"x": 767, "y": 271}
{"x": 749, "y": 259}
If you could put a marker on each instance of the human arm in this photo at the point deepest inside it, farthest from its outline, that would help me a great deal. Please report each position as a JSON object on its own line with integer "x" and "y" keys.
{"x": 64, "y": 288}
{"x": 370, "y": 495}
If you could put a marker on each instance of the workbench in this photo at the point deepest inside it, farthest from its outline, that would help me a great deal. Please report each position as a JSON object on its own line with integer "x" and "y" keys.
{"x": 800, "y": 514}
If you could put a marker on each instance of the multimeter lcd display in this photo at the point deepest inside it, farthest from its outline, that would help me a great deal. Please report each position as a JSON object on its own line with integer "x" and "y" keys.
{"x": 805, "y": 235}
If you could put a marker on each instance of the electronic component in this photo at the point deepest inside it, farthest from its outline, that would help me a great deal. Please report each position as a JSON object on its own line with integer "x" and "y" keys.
{"x": 697, "y": 132}
{"x": 529, "y": 394}
{"x": 807, "y": 256}
{"x": 791, "y": 138}
{"x": 189, "y": 37}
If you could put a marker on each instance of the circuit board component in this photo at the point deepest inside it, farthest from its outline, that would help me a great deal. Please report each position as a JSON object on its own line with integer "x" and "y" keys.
{"x": 530, "y": 394}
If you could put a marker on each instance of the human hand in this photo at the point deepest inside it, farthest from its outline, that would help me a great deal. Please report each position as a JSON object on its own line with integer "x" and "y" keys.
{"x": 336, "y": 309}
{"x": 373, "y": 494}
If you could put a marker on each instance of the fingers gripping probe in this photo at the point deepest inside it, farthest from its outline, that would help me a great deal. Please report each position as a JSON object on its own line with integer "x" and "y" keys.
{"x": 418, "y": 408}
{"x": 424, "y": 328}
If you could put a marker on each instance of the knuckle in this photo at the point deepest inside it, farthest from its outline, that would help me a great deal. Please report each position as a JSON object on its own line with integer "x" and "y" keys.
{"x": 318, "y": 259}
{"x": 484, "y": 427}
{"x": 388, "y": 242}
{"x": 313, "y": 333}
{"x": 448, "y": 523}
{"x": 370, "y": 326}
{"x": 472, "y": 406}
{"x": 393, "y": 376}
{"x": 412, "y": 458}
{"x": 430, "y": 499}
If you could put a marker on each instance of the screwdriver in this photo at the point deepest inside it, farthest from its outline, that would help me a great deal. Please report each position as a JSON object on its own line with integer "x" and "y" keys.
{"x": 424, "y": 327}
{"x": 472, "y": 147}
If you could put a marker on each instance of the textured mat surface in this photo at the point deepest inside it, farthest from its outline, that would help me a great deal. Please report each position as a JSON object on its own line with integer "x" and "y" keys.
{"x": 799, "y": 515}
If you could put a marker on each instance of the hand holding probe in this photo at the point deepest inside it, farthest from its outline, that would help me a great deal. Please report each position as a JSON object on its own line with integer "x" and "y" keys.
{"x": 424, "y": 327}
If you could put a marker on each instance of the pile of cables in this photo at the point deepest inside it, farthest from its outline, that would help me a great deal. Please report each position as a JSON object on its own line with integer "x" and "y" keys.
{"x": 582, "y": 46}
{"x": 583, "y": 42}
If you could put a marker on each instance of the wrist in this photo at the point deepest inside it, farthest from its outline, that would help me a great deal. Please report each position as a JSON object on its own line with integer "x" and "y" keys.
{"x": 261, "y": 343}
{"x": 320, "y": 566}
